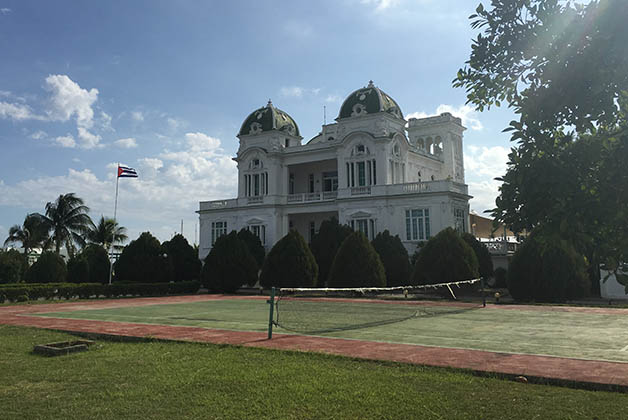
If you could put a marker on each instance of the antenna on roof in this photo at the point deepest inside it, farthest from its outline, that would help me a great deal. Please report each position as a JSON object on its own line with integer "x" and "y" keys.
{"x": 324, "y": 115}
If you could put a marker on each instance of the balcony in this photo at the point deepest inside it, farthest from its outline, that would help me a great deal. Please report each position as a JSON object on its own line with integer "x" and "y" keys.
{"x": 444, "y": 186}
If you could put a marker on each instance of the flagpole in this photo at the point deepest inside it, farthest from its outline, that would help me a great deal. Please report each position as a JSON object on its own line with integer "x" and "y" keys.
{"x": 115, "y": 211}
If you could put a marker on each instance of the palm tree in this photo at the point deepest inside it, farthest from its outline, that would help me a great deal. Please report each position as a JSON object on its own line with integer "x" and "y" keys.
{"x": 106, "y": 233}
{"x": 31, "y": 234}
{"x": 67, "y": 221}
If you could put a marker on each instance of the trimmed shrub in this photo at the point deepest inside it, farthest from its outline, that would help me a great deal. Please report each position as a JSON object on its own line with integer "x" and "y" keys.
{"x": 78, "y": 270}
{"x": 254, "y": 244}
{"x": 144, "y": 261}
{"x": 501, "y": 276}
{"x": 485, "y": 262}
{"x": 185, "y": 263}
{"x": 395, "y": 258}
{"x": 49, "y": 268}
{"x": 13, "y": 266}
{"x": 445, "y": 258}
{"x": 290, "y": 264}
{"x": 325, "y": 244}
{"x": 547, "y": 269}
{"x": 98, "y": 261}
{"x": 229, "y": 265}
{"x": 357, "y": 264}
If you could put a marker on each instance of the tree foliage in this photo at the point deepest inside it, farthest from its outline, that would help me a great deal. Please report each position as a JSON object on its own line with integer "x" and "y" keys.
{"x": 49, "y": 268}
{"x": 67, "y": 221}
{"x": 547, "y": 268}
{"x": 97, "y": 259}
{"x": 395, "y": 258}
{"x": 107, "y": 232}
{"x": 485, "y": 262}
{"x": 563, "y": 68}
{"x": 185, "y": 262}
{"x": 357, "y": 264}
{"x": 290, "y": 263}
{"x": 78, "y": 270}
{"x": 325, "y": 244}
{"x": 144, "y": 261}
{"x": 32, "y": 234}
{"x": 445, "y": 258}
{"x": 13, "y": 266}
{"x": 254, "y": 244}
{"x": 229, "y": 265}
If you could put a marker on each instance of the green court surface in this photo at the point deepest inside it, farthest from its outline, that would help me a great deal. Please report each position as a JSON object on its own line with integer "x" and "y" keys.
{"x": 540, "y": 331}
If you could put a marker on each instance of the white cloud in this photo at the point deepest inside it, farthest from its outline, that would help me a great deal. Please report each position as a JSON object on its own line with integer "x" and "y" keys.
{"x": 128, "y": 143}
{"x": 486, "y": 161}
{"x": 466, "y": 113}
{"x": 380, "y": 5}
{"x": 333, "y": 98}
{"x": 5, "y": 11}
{"x": 298, "y": 91}
{"x": 69, "y": 100}
{"x": 88, "y": 139}
{"x": 65, "y": 141}
{"x": 137, "y": 116}
{"x": 17, "y": 112}
{"x": 482, "y": 163}
{"x": 174, "y": 123}
{"x": 173, "y": 182}
{"x": 38, "y": 135}
{"x": 484, "y": 194}
{"x": 105, "y": 121}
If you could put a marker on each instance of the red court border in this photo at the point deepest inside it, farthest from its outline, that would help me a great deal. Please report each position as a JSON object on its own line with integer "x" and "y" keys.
{"x": 564, "y": 369}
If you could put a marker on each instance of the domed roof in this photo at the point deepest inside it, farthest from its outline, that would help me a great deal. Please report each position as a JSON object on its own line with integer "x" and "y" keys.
{"x": 269, "y": 118}
{"x": 369, "y": 100}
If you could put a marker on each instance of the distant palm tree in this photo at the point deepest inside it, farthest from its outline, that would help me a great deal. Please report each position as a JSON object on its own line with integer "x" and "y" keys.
{"x": 67, "y": 222}
{"x": 31, "y": 234}
{"x": 106, "y": 233}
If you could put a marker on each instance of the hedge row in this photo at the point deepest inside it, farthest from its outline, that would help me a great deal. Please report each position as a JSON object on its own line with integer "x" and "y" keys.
{"x": 25, "y": 292}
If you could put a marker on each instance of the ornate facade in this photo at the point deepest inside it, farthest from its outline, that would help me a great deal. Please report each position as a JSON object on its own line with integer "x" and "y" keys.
{"x": 371, "y": 169}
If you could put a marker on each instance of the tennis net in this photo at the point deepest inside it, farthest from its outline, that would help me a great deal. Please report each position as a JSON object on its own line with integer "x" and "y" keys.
{"x": 320, "y": 310}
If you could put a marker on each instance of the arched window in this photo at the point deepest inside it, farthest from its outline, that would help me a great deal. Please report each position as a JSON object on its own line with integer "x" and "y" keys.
{"x": 361, "y": 168}
{"x": 255, "y": 179}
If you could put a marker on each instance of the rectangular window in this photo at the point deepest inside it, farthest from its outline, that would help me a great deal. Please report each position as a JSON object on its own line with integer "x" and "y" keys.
{"x": 348, "y": 175}
{"x": 366, "y": 226}
{"x": 352, "y": 174}
{"x": 369, "y": 172}
{"x": 311, "y": 183}
{"x": 392, "y": 171}
{"x": 374, "y": 173}
{"x": 266, "y": 183}
{"x": 246, "y": 185}
{"x": 312, "y": 231}
{"x": 256, "y": 185}
{"x": 218, "y": 229}
{"x": 361, "y": 174}
{"x": 259, "y": 231}
{"x": 459, "y": 219}
{"x": 417, "y": 225}
{"x": 330, "y": 181}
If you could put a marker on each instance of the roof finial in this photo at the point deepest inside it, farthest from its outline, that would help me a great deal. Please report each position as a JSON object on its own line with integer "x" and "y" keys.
{"x": 269, "y": 104}
{"x": 371, "y": 83}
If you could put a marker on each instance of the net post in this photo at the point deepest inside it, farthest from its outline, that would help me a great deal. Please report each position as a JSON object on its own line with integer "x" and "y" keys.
{"x": 271, "y": 302}
{"x": 483, "y": 292}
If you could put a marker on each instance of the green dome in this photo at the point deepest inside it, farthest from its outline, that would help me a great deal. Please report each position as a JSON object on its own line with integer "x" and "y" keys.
{"x": 369, "y": 100}
{"x": 269, "y": 118}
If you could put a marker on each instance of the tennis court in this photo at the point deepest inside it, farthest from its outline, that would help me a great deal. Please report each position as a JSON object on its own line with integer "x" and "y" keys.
{"x": 581, "y": 333}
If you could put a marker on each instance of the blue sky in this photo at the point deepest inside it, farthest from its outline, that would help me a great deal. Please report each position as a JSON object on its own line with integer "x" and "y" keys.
{"x": 163, "y": 86}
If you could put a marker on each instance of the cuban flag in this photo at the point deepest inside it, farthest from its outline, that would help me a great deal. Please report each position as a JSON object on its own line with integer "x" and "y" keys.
{"x": 126, "y": 172}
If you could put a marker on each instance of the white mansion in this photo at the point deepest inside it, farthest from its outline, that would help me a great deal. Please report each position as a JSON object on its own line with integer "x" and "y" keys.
{"x": 372, "y": 170}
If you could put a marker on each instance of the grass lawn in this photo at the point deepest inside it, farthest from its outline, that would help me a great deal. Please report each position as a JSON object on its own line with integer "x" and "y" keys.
{"x": 168, "y": 380}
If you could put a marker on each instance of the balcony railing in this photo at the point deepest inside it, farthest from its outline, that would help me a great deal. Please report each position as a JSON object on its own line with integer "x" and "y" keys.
{"x": 370, "y": 190}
